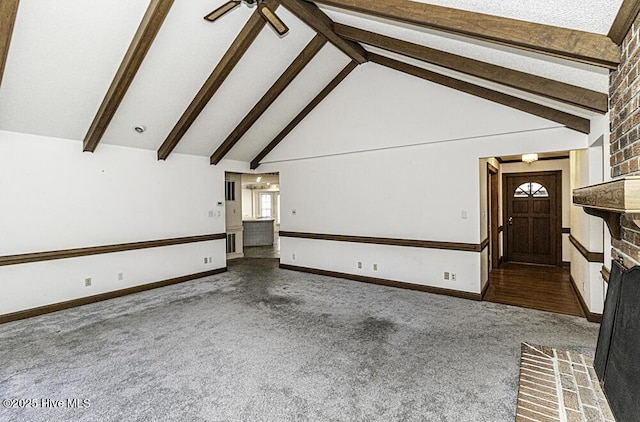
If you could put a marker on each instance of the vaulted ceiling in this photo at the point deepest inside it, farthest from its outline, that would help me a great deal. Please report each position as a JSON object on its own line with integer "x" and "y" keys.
{"x": 234, "y": 89}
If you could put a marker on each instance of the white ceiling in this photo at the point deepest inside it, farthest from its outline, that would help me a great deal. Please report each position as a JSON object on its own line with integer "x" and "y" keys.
{"x": 584, "y": 15}
{"x": 62, "y": 59}
{"x": 64, "y": 55}
{"x": 322, "y": 69}
{"x": 487, "y": 84}
{"x": 403, "y": 111}
{"x": 267, "y": 180}
{"x": 583, "y": 75}
{"x": 260, "y": 67}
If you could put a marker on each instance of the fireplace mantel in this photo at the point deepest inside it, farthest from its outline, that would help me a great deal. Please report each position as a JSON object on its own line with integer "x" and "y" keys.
{"x": 610, "y": 200}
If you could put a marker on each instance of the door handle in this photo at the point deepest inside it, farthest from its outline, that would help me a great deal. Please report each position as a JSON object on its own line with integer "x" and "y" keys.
{"x": 510, "y": 221}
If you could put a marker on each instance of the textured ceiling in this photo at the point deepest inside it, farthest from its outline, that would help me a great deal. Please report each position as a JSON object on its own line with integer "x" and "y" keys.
{"x": 64, "y": 55}
{"x": 487, "y": 84}
{"x": 561, "y": 70}
{"x": 260, "y": 67}
{"x": 585, "y": 15}
{"x": 322, "y": 69}
{"x": 404, "y": 110}
{"x": 61, "y": 62}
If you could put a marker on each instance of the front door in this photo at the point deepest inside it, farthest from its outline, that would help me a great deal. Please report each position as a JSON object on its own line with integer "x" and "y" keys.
{"x": 533, "y": 222}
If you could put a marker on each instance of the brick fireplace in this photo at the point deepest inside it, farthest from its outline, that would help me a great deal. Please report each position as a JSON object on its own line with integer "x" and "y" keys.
{"x": 624, "y": 101}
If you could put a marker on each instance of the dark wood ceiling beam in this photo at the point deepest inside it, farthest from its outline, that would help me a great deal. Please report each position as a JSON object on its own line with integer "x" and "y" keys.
{"x": 318, "y": 98}
{"x": 624, "y": 20}
{"x": 569, "y": 120}
{"x": 322, "y": 24}
{"x": 270, "y": 96}
{"x": 8, "y": 13}
{"x": 232, "y": 56}
{"x": 142, "y": 40}
{"x": 570, "y": 94}
{"x": 586, "y": 47}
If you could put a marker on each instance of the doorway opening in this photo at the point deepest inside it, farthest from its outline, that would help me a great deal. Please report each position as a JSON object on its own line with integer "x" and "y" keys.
{"x": 532, "y": 212}
{"x": 524, "y": 214}
{"x": 252, "y": 215}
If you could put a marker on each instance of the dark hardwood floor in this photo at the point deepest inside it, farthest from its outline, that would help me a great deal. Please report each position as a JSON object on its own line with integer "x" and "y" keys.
{"x": 534, "y": 286}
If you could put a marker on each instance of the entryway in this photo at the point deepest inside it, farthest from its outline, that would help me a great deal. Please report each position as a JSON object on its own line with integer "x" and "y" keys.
{"x": 539, "y": 287}
{"x": 525, "y": 251}
{"x": 252, "y": 215}
{"x": 533, "y": 217}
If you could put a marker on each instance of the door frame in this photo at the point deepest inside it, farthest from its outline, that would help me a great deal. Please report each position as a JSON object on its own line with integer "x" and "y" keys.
{"x": 493, "y": 204}
{"x": 505, "y": 218}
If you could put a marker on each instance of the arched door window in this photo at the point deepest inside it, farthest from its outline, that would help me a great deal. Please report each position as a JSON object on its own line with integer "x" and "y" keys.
{"x": 529, "y": 189}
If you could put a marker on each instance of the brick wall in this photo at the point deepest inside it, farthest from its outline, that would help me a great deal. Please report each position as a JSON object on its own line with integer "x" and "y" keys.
{"x": 624, "y": 97}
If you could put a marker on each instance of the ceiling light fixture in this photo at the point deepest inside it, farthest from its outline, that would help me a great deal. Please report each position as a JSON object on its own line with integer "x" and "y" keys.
{"x": 529, "y": 158}
{"x": 258, "y": 179}
{"x": 139, "y": 129}
{"x": 264, "y": 10}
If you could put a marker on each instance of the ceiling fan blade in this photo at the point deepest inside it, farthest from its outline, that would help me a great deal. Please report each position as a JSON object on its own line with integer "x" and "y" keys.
{"x": 273, "y": 19}
{"x": 228, "y": 6}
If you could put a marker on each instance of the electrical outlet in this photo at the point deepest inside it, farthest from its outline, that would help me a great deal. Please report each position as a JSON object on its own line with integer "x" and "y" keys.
{"x": 210, "y": 213}
{"x": 210, "y": 260}
{"x": 375, "y": 267}
{"x": 206, "y": 260}
{"x": 446, "y": 275}
{"x": 87, "y": 282}
{"x": 359, "y": 264}
{"x": 120, "y": 276}
{"x": 453, "y": 276}
{"x": 293, "y": 256}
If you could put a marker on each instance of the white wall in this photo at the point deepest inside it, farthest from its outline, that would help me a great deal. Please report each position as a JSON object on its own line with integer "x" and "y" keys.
{"x": 400, "y": 201}
{"x": 55, "y": 197}
{"x": 418, "y": 192}
{"x": 399, "y": 159}
{"x": 588, "y": 230}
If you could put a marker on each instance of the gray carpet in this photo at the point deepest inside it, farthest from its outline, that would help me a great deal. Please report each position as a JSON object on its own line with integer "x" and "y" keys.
{"x": 263, "y": 344}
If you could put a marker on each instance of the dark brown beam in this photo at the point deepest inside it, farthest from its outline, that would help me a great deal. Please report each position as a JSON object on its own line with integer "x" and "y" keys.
{"x": 318, "y": 98}
{"x": 570, "y": 94}
{"x": 232, "y": 56}
{"x": 586, "y": 47}
{"x": 147, "y": 31}
{"x": 573, "y": 122}
{"x": 624, "y": 20}
{"x": 322, "y": 24}
{"x": 8, "y": 13}
{"x": 270, "y": 96}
